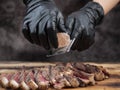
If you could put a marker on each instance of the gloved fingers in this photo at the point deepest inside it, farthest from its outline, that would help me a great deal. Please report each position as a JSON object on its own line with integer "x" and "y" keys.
{"x": 86, "y": 41}
{"x": 44, "y": 41}
{"x": 70, "y": 25}
{"x": 83, "y": 42}
{"x": 42, "y": 34}
{"x": 76, "y": 29}
{"x": 26, "y": 32}
{"x": 33, "y": 25}
{"x": 52, "y": 32}
{"x": 61, "y": 26}
{"x": 34, "y": 32}
{"x": 80, "y": 42}
{"x": 77, "y": 33}
{"x": 34, "y": 36}
{"x": 76, "y": 44}
{"x": 61, "y": 23}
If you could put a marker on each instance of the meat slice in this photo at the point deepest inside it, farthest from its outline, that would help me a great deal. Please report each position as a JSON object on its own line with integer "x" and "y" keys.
{"x": 57, "y": 79}
{"x": 86, "y": 78}
{"x": 78, "y": 71}
{"x": 23, "y": 85}
{"x": 107, "y": 75}
{"x": 4, "y": 79}
{"x": 73, "y": 81}
{"x": 73, "y": 78}
{"x": 99, "y": 72}
{"x": 41, "y": 81}
{"x": 29, "y": 79}
{"x": 79, "y": 66}
{"x": 65, "y": 81}
{"x": 45, "y": 72}
{"x": 63, "y": 39}
{"x": 52, "y": 75}
{"x": 79, "y": 76}
{"x": 14, "y": 81}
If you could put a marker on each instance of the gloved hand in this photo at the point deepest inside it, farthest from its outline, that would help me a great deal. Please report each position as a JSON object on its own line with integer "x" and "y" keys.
{"x": 81, "y": 25}
{"x": 41, "y": 23}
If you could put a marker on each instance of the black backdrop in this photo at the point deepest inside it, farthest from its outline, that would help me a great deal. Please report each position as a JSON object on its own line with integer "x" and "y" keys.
{"x": 13, "y": 45}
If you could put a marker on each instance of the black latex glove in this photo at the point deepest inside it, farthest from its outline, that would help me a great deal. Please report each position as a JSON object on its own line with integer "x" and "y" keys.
{"x": 81, "y": 24}
{"x": 42, "y": 22}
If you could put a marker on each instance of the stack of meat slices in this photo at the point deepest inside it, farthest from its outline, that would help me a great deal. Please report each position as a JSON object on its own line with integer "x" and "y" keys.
{"x": 62, "y": 75}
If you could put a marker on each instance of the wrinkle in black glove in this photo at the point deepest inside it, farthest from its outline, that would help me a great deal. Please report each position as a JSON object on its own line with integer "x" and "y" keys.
{"x": 42, "y": 22}
{"x": 81, "y": 25}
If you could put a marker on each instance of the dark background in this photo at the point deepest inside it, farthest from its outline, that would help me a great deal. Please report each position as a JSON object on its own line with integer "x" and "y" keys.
{"x": 13, "y": 45}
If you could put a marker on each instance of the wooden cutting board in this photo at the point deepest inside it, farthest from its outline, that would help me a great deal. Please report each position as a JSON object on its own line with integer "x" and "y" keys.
{"x": 113, "y": 83}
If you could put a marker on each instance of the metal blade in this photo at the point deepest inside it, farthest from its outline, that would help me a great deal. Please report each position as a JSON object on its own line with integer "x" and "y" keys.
{"x": 57, "y": 52}
{"x": 63, "y": 50}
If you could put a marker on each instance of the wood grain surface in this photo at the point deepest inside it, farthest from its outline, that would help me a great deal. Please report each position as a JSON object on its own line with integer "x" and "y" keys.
{"x": 113, "y": 83}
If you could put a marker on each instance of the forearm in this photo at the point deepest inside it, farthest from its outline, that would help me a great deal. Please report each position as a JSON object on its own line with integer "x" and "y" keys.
{"x": 107, "y": 4}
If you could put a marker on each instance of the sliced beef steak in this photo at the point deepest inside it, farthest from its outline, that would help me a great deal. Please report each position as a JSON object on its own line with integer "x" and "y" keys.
{"x": 60, "y": 76}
